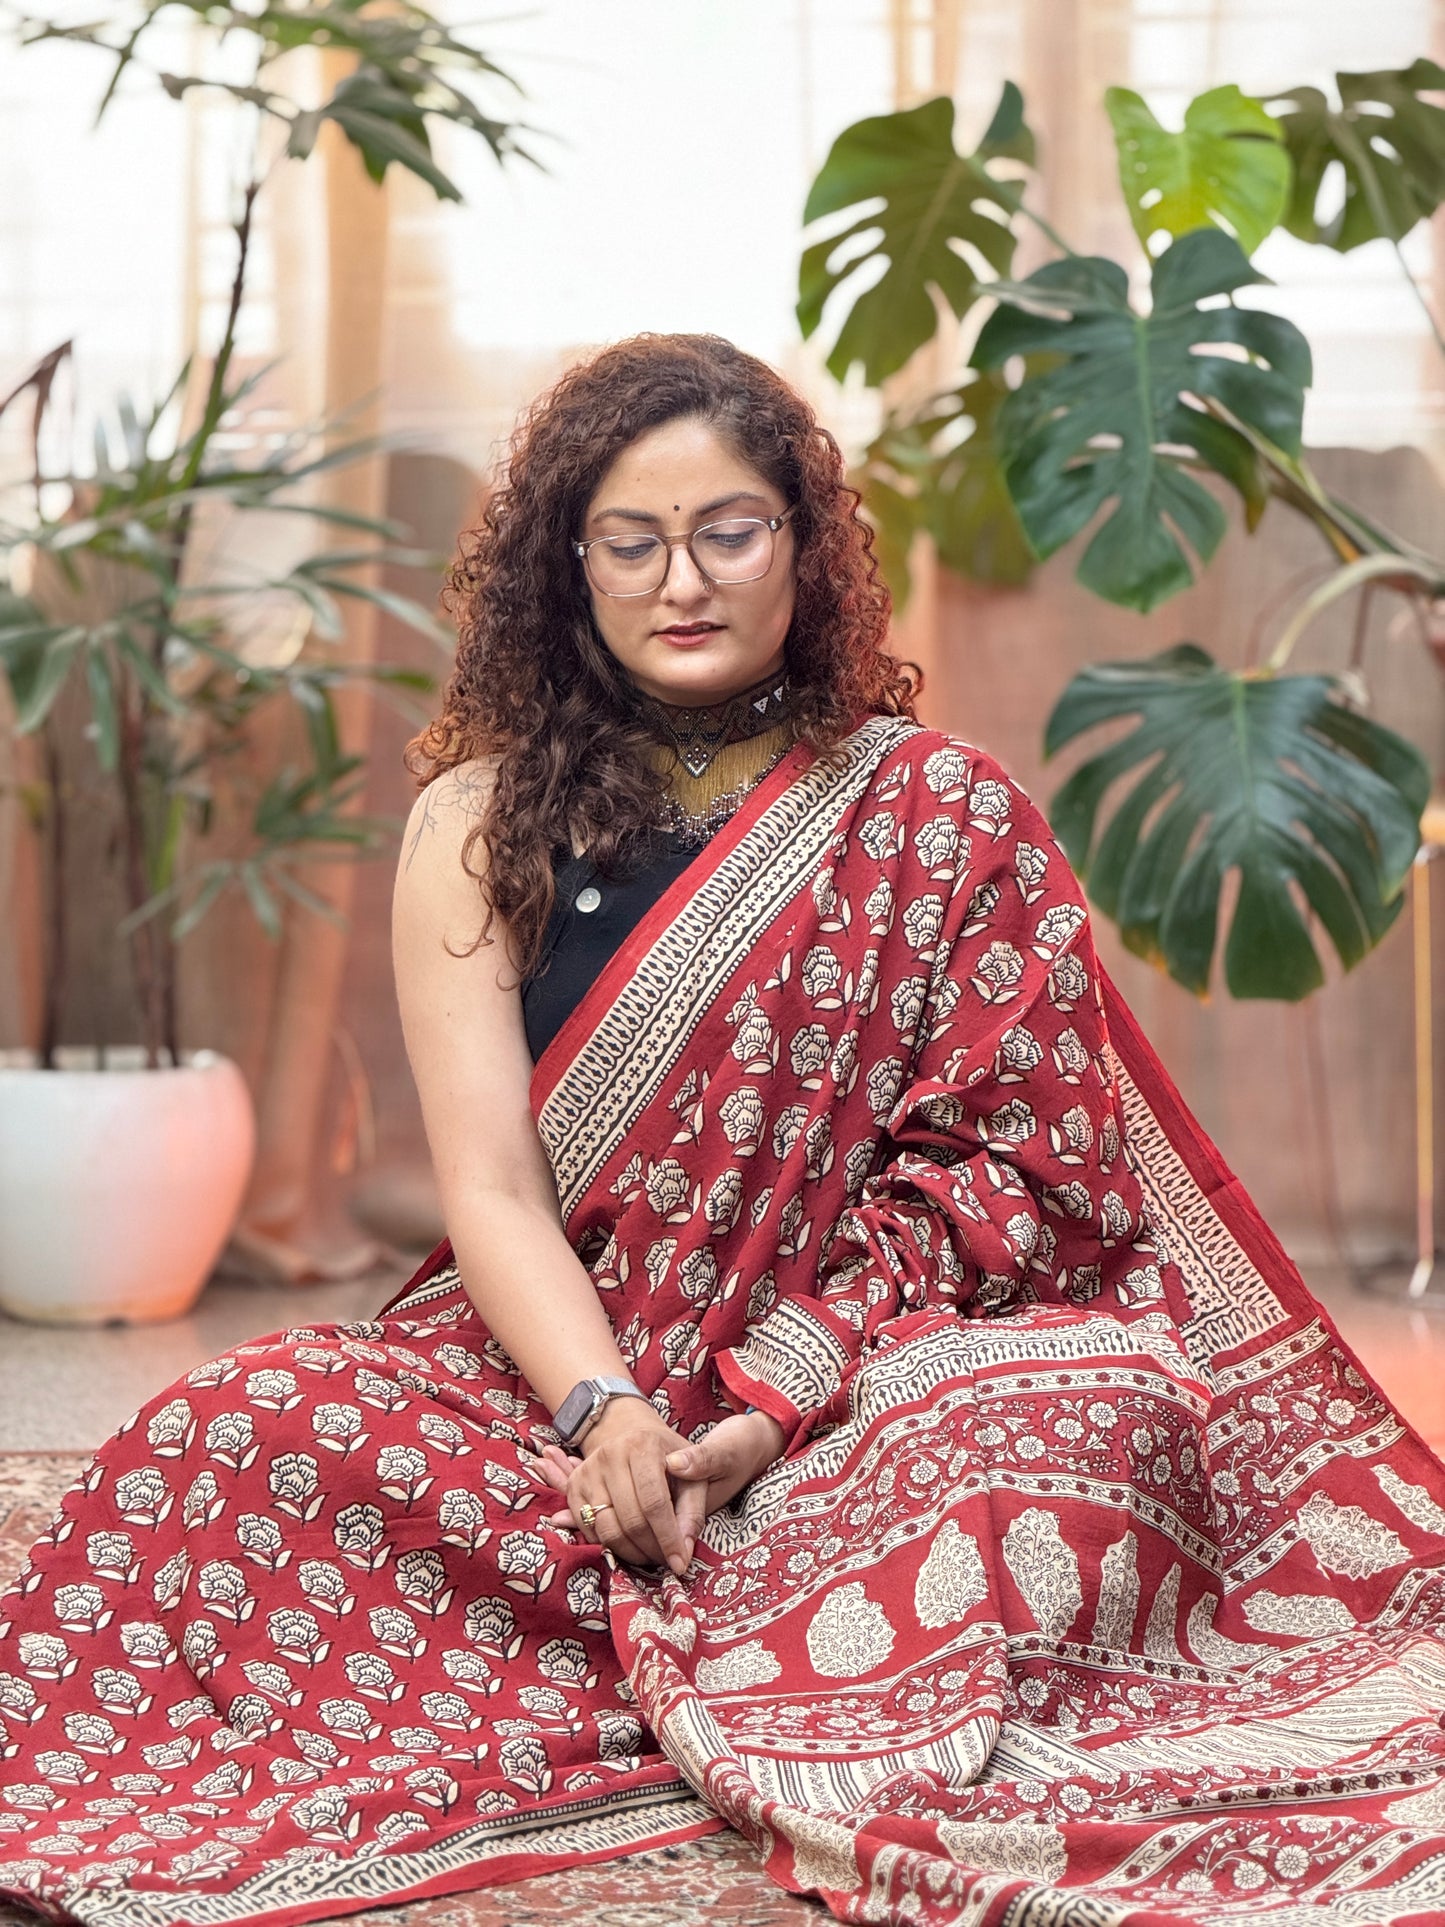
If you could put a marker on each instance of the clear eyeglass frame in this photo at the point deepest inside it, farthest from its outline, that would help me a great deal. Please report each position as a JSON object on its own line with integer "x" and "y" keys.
{"x": 667, "y": 543}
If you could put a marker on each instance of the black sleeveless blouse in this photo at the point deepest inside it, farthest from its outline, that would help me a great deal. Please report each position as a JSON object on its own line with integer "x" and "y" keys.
{"x": 591, "y": 918}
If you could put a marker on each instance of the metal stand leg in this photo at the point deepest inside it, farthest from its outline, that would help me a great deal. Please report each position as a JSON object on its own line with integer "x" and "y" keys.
{"x": 1424, "y": 1078}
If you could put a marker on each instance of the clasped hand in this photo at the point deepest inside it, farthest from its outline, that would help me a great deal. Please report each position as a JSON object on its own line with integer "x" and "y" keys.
{"x": 647, "y": 1488}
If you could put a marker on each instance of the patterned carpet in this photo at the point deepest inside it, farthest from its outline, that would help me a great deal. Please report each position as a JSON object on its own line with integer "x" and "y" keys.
{"x": 710, "y": 1883}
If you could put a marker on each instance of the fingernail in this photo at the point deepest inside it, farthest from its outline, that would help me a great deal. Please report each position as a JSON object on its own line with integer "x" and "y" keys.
{"x": 678, "y": 1564}
{"x": 687, "y": 1550}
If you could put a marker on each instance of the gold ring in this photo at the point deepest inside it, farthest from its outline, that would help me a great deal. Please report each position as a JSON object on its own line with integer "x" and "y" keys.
{"x": 587, "y": 1512}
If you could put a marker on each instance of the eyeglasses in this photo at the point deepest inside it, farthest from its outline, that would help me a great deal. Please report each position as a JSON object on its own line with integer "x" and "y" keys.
{"x": 738, "y": 550}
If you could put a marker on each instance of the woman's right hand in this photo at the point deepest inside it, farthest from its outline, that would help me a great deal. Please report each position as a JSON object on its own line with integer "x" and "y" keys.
{"x": 644, "y": 1517}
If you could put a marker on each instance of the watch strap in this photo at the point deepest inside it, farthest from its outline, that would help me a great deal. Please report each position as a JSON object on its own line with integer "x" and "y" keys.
{"x": 583, "y": 1405}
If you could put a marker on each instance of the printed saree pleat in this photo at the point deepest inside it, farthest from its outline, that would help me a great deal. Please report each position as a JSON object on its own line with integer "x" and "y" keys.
{"x": 1097, "y": 1583}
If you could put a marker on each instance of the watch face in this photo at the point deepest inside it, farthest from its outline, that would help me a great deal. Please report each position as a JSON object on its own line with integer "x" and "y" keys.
{"x": 575, "y": 1409}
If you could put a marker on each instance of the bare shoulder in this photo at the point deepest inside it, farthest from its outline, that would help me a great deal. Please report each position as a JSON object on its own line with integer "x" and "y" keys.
{"x": 445, "y": 814}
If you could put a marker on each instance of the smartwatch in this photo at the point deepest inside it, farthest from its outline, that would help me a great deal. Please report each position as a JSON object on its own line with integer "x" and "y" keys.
{"x": 579, "y": 1411}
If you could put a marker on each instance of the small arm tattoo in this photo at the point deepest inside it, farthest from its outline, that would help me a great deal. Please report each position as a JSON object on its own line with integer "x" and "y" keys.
{"x": 462, "y": 789}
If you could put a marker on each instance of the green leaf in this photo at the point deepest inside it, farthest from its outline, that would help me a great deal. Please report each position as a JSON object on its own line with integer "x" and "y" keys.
{"x": 1269, "y": 778}
{"x": 263, "y": 903}
{"x": 940, "y": 469}
{"x": 895, "y": 521}
{"x": 37, "y": 663}
{"x": 103, "y": 708}
{"x": 967, "y": 506}
{"x": 384, "y": 123}
{"x": 936, "y": 203}
{"x": 1227, "y": 168}
{"x": 1389, "y": 143}
{"x": 1113, "y": 422}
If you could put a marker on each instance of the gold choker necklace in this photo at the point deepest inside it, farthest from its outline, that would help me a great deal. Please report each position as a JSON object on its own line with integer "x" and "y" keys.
{"x": 697, "y": 732}
{"x": 710, "y": 756}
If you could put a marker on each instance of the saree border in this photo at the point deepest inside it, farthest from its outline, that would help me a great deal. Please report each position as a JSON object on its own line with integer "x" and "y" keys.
{"x": 630, "y": 1028}
{"x": 596, "y": 1828}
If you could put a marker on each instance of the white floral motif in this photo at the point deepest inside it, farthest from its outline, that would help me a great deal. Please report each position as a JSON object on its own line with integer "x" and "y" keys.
{"x": 883, "y": 1082}
{"x": 741, "y": 1116}
{"x": 951, "y": 1581}
{"x": 938, "y": 845}
{"x": 821, "y": 971}
{"x": 1068, "y": 981}
{"x": 788, "y": 1128}
{"x": 824, "y": 1852}
{"x": 1058, "y": 924}
{"x": 723, "y": 1201}
{"x": 748, "y": 1665}
{"x": 997, "y": 972}
{"x": 844, "y": 1063}
{"x": 849, "y": 1635}
{"x": 1347, "y": 1539}
{"x": 1118, "y": 1594}
{"x": 1030, "y": 864}
{"x": 1045, "y": 1569}
{"x": 1019, "y": 1053}
{"x": 809, "y": 1052}
{"x": 171, "y": 1429}
{"x": 923, "y": 921}
{"x": 879, "y": 835}
{"x": 906, "y": 1005}
{"x": 990, "y": 807}
{"x": 1024, "y": 1847}
{"x": 981, "y": 906}
{"x": 1012, "y": 1123}
{"x": 667, "y": 1187}
{"x": 946, "y": 774}
{"x": 752, "y": 1046}
{"x": 878, "y": 908}
{"x": 657, "y": 1259}
{"x": 1413, "y": 1500}
{"x": 697, "y": 1274}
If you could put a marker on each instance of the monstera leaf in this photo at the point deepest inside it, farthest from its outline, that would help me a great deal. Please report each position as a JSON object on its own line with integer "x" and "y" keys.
{"x": 1227, "y": 168}
{"x": 940, "y": 470}
{"x": 935, "y": 203}
{"x": 1389, "y": 143}
{"x": 1129, "y": 397}
{"x": 1268, "y": 777}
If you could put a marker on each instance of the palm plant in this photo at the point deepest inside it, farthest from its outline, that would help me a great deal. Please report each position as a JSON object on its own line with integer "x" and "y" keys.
{"x": 104, "y": 599}
{"x": 1080, "y": 417}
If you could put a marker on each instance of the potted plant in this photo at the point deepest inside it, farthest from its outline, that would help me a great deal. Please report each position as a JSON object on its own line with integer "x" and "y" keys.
{"x": 121, "y": 1171}
{"x": 1080, "y": 413}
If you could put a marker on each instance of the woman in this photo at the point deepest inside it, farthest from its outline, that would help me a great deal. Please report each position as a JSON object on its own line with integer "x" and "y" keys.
{"x": 961, "y": 1495}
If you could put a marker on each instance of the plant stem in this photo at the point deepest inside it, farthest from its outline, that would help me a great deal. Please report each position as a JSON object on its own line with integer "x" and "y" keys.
{"x": 147, "y": 943}
{"x": 1012, "y": 192}
{"x": 57, "y": 953}
{"x": 1419, "y": 294}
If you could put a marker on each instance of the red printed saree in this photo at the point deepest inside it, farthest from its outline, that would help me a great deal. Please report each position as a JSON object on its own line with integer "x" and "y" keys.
{"x": 1097, "y": 1584}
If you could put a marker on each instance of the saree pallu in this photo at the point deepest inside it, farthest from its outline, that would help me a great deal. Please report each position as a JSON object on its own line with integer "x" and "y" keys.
{"x": 1097, "y": 1585}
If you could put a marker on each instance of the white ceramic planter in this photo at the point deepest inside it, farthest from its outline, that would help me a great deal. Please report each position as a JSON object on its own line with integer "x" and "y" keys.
{"x": 118, "y": 1187}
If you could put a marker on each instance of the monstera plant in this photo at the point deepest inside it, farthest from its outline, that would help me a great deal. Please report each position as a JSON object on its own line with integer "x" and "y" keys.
{"x": 1084, "y": 415}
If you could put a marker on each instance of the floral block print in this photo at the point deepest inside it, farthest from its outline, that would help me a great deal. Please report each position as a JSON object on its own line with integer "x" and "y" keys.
{"x": 1096, "y": 1584}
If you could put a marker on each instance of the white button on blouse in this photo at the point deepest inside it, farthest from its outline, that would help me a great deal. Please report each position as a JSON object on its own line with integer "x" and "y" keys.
{"x": 589, "y": 898}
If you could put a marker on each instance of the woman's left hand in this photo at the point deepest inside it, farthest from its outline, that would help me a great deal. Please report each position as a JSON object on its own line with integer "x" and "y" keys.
{"x": 734, "y": 1452}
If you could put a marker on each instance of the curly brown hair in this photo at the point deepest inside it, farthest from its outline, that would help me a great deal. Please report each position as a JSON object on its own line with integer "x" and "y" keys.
{"x": 535, "y": 690}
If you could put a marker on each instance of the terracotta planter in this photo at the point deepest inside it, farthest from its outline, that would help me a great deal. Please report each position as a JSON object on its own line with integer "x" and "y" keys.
{"x": 118, "y": 1187}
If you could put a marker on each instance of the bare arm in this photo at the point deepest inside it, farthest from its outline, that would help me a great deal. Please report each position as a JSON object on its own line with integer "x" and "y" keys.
{"x": 462, "y": 1017}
